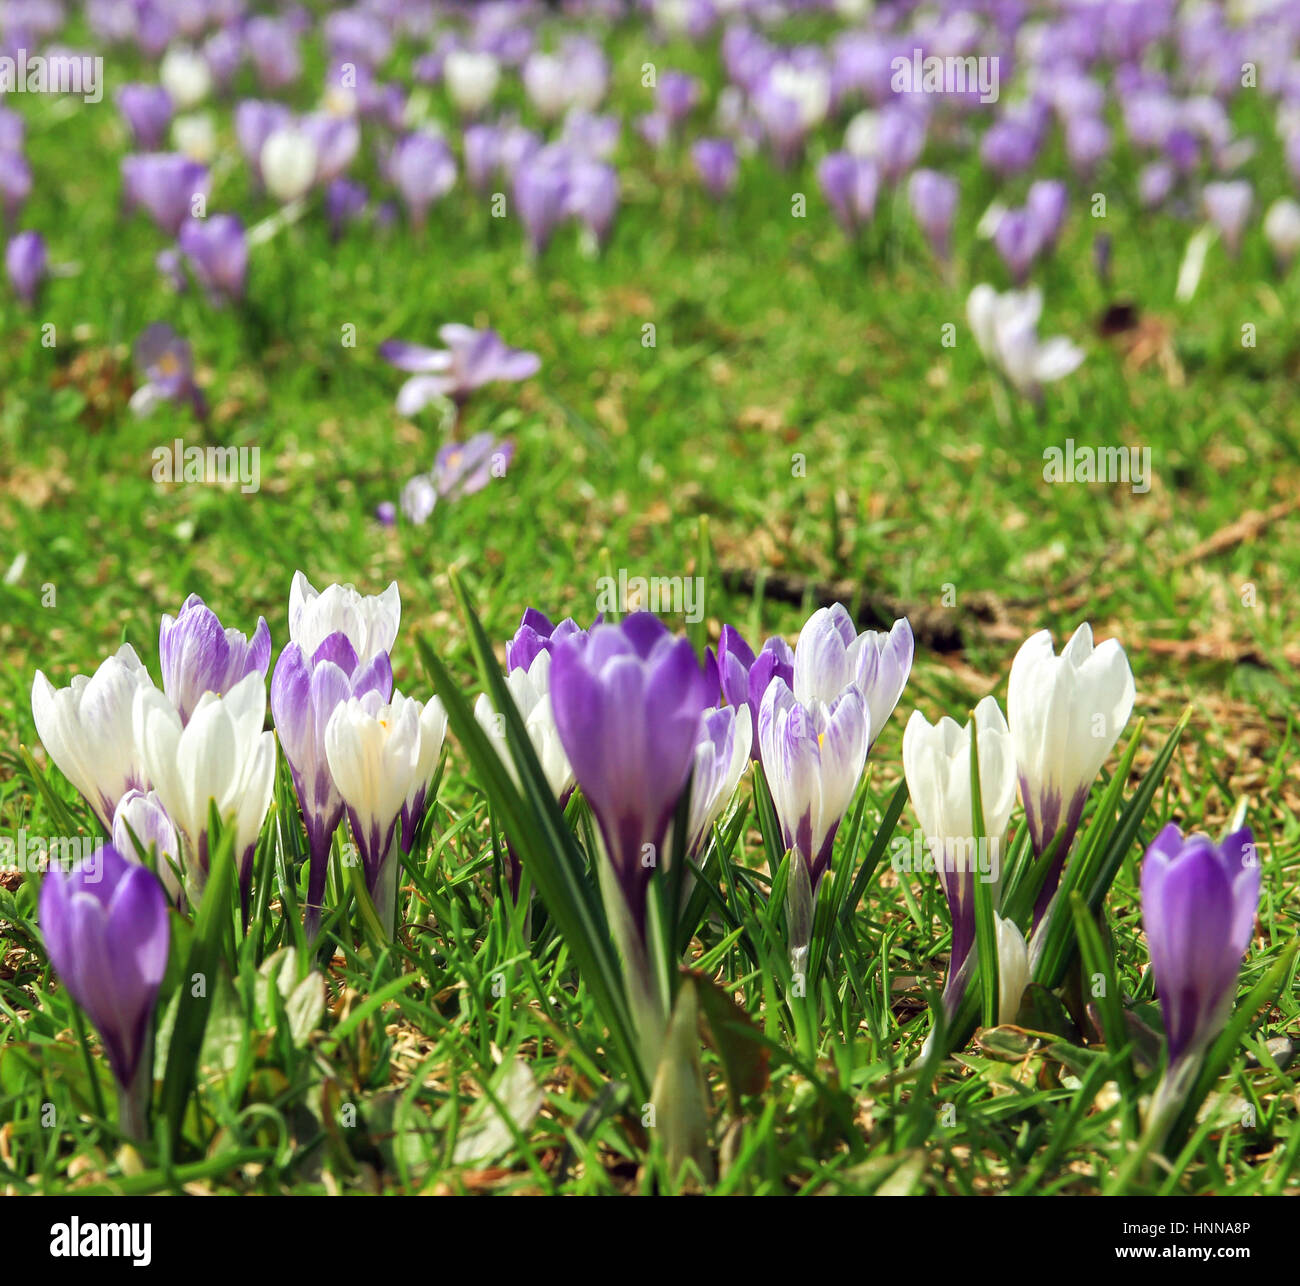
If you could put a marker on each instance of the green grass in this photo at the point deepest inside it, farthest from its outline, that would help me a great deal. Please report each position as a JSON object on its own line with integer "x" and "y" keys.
{"x": 773, "y": 337}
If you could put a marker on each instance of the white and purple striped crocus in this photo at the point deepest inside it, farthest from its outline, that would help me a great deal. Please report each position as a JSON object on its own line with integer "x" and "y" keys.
{"x": 141, "y": 825}
{"x": 1065, "y": 714}
{"x": 1199, "y": 901}
{"x": 199, "y": 655}
{"x": 381, "y": 756}
{"x": 86, "y": 729}
{"x": 628, "y": 700}
{"x": 106, "y": 932}
{"x": 937, "y": 766}
{"x": 721, "y": 756}
{"x": 831, "y": 655}
{"x": 306, "y": 689}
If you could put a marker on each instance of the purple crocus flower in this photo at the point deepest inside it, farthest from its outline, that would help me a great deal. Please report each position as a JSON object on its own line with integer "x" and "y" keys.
{"x": 850, "y": 184}
{"x": 933, "y": 198}
{"x": 25, "y": 262}
{"x": 147, "y": 110}
{"x": 255, "y": 122}
{"x": 471, "y": 359}
{"x": 15, "y": 182}
{"x": 1198, "y": 909}
{"x": 1087, "y": 144}
{"x": 198, "y": 655}
{"x": 592, "y": 196}
{"x": 744, "y": 677}
{"x": 628, "y": 702}
{"x": 541, "y": 187}
{"x": 677, "y": 95}
{"x": 165, "y": 185}
{"x": 1046, "y": 203}
{"x": 460, "y": 469}
{"x": 716, "y": 164}
{"x": 304, "y": 693}
{"x": 166, "y": 363}
{"x": 273, "y": 48}
{"x": 537, "y": 634}
{"x": 218, "y": 253}
{"x": 1155, "y": 182}
{"x": 107, "y": 936}
{"x": 481, "y": 148}
{"x": 1018, "y": 241}
{"x": 337, "y": 139}
{"x": 423, "y": 170}
{"x": 345, "y": 202}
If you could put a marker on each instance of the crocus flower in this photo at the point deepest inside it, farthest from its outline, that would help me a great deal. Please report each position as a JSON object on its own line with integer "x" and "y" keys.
{"x": 813, "y": 756}
{"x": 25, "y": 263}
{"x": 287, "y": 162}
{"x": 540, "y": 190}
{"x": 1046, "y": 203}
{"x": 165, "y": 185}
{"x": 592, "y": 197}
{"x": 345, "y": 201}
{"x": 715, "y": 162}
{"x": 721, "y": 757}
{"x": 106, "y": 932}
{"x": 459, "y": 469}
{"x": 537, "y": 633}
{"x": 530, "y": 686}
{"x": 1018, "y": 241}
{"x": 381, "y": 756}
{"x": 1228, "y": 207}
{"x": 1282, "y": 229}
{"x": 1065, "y": 714}
{"x": 86, "y": 729}
{"x": 147, "y": 110}
{"x": 849, "y": 184}
{"x": 471, "y": 359}
{"x": 1006, "y": 330}
{"x": 15, "y": 182}
{"x": 628, "y": 701}
{"x": 677, "y": 94}
{"x": 471, "y": 78}
{"x": 831, "y": 656}
{"x": 305, "y": 692}
{"x": 1198, "y": 910}
{"x": 198, "y": 655}
{"x": 217, "y": 251}
{"x": 936, "y": 763}
{"x": 423, "y": 170}
{"x": 1013, "y": 968}
{"x": 744, "y": 677}
{"x": 933, "y": 198}
{"x": 255, "y": 122}
{"x": 273, "y": 49}
{"x": 185, "y": 75}
{"x": 166, "y": 363}
{"x": 369, "y": 622}
{"x": 141, "y": 814}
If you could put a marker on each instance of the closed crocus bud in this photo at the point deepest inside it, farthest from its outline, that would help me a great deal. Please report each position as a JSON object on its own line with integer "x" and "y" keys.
{"x": 1282, "y": 229}
{"x": 142, "y": 815}
{"x": 186, "y": 76}
{"x": 25, "y": 263}
{"x": 433, "y": 732}
{"x": 537, "y": 633}
{"x": 545, "y": 83}
{"x": 306, "y": 689}
{"x": 813, "y": 756}
{"x": 166, "y": 185}
{"x": 87, "y": 730}
{"x": 1013, "y": 969}
{"x": 369, "y": 621}
{"x": 715, "y": 163}
{"x": 195, "y": 136}
{"x": 255, "y": 122}
{"x": 849, "y": 184}
{"x": 1228, "y": 207}
{"x": 1066, "y": 713}
{"x": 471, "y": 79}
{"x": 936, "y": 763}
{"x": 1198, "y": 909}
{"x": 721, "y": 757}
{"x": 288, "y": 163}
{"x": 530, "y": 686}
{"x": 217, "y": 251}
{"x": 1018, "y": 240}
{"x": 423, "y": 170}
{"x": 831, "y": 656}
{"x": 628, "y": 701}
{"x": 106, "y": 933}
{"x": 933, "y": 198}
{"x": 222, "y": 757}
{"x": 198, "y": 655}
{"x": 147, "y": 110}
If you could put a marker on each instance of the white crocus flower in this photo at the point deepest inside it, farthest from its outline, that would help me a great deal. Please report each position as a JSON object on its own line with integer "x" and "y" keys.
{"x": 381, "y": 756}
{"x": 721, "y": 757}
{"x": 531, "y": 690}
{"x": 1282, "y": 229}
{"x": 809, "y": 88}
{"x": 195, "y": 135}
{"x": 546, "y": 83}
{"x": 288, "y": 163}
{"x": 831, "y": 656}
{"x": 142, "y": 815}
{"x": 471, "y": 79}
{"x": 186, "y": 76}
{"x": 936, "y": 763}
{"x": 1013, "y": 969}
{"x": 369, "y": 621}
{"x": 1006, "y": 330}
{"x": 86, "y": 729}
{"x": 1066, "y": 713}
{"x": 221, "y": 756}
